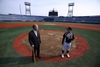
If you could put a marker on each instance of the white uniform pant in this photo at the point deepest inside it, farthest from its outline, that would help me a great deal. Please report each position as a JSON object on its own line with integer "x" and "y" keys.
{"x": 66, "y": 46}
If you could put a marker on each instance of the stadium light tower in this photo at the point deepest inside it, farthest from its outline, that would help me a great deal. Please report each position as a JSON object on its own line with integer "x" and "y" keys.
{"x": 27, "y": 8}
{"x": 20, "y": 8}
{"x": 70, "y": 9}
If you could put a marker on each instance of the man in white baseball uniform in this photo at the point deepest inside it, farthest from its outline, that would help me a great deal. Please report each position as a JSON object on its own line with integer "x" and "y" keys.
{"x": 66, "y": 41}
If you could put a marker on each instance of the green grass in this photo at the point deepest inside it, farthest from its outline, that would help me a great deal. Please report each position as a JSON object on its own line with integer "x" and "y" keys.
{"x": 87, "y": 24}
{"x": 53, "y": 23}
{"x": 10, "y": 58}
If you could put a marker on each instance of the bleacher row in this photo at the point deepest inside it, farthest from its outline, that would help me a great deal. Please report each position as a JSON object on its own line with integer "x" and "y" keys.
{"x": 78, "y": 19}
{"x": 13, "y": 17}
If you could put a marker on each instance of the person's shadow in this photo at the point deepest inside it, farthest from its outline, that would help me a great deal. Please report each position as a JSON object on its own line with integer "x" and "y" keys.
{"x": 14, "y": 60}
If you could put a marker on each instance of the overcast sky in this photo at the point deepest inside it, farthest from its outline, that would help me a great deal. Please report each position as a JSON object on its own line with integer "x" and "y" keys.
{"x": 42, "y": 7}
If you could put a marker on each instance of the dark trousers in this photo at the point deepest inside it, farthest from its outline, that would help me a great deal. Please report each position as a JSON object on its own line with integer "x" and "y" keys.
{"x": 37, "y": 50}
{"x": 34, "y": 53}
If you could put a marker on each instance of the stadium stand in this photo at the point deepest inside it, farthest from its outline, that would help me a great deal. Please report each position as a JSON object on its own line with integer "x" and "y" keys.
{"x": 4, "y": 17}
{"x": 76, "y": 19}
{"x": 87, "y": 19}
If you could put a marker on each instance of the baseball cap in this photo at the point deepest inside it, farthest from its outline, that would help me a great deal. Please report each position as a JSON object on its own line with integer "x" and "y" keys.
{"x": 69, "y": 28}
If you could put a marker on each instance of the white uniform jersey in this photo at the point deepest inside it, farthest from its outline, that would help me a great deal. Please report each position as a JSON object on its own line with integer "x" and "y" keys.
{"x": 67, "y": 46}
{"x": 69, "y": 35}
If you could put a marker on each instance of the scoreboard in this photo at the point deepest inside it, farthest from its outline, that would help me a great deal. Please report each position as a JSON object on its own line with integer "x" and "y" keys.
{"x": 53, "y": 13}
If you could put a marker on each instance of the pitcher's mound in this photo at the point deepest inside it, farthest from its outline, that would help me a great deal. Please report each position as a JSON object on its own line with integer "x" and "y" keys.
{"x": 51, "y": 42}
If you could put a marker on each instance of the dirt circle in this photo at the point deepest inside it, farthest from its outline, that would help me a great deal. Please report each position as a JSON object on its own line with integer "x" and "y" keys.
{"x": 51, "y": 53}
{"x": 51, "y": 42}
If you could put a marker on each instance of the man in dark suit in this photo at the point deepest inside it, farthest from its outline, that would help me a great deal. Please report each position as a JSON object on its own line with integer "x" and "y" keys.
{"x": 35, "y": 40}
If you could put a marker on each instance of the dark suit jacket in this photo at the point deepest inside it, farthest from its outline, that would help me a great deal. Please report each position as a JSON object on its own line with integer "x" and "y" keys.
{"x": 33, "y": 39}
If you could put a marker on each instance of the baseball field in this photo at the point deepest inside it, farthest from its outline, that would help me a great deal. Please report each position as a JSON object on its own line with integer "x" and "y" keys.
{"x": 16, "y": 52}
